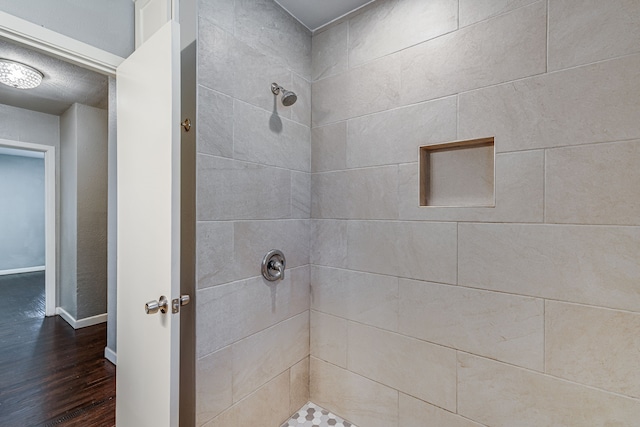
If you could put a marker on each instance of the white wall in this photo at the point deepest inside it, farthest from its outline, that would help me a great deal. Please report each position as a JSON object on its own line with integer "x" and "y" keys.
{"x": 21, "y": 212}
{"x": 107, "y": 25}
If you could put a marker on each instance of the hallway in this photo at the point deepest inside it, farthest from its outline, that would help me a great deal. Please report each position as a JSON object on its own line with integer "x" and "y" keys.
{"x": 52, "y": 375}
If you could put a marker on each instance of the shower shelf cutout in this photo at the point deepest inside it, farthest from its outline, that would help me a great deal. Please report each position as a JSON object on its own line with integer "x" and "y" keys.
{"x": 458, "y": 174}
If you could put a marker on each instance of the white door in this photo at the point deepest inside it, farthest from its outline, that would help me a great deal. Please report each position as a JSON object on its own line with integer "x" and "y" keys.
{"x": 148, "y": 89}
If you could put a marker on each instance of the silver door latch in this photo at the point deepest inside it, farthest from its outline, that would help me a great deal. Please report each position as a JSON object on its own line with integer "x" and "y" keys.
{"x": 162, "y": 304}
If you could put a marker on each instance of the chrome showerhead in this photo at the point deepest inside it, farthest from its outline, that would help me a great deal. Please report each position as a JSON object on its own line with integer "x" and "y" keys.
{"x": 288, "y": 97}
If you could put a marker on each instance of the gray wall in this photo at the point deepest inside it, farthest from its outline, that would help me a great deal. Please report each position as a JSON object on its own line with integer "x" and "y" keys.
{"x": 107, "y": 25}
{"x": 253, "y": 164}
{"x": 112, "y": 215}
{"x": 83, "y": 284}
{"x": 21, "y": 212}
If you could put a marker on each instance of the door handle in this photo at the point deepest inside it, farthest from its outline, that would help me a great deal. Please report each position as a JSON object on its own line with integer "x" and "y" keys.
{"x": 162, "y": 304}
{"x": 152, "y": 307}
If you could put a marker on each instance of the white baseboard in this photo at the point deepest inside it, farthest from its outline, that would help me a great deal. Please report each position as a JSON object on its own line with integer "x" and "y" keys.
{"x": 81, "y": 323}
{"x": 21, "y": 270}
{"x": 111, "y": 355}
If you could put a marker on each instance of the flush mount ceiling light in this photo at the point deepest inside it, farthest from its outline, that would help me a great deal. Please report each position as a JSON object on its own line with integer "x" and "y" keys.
{"x": 19, "y": 76}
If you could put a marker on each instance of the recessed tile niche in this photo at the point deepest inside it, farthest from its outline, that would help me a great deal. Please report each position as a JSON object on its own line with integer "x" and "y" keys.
{"x": 458, "y": 174}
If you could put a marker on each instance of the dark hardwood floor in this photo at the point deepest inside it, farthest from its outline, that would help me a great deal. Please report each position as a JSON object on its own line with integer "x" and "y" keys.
{"x": 50, "y": 374}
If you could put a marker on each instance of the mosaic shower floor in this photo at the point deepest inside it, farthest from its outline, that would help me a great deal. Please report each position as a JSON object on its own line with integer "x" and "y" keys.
{"x": 311, "y": 415}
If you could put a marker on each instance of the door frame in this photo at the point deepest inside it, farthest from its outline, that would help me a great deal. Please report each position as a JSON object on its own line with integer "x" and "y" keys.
{"x": 50, "y": 271}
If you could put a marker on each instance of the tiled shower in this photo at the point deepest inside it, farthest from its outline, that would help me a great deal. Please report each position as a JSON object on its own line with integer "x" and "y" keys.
{"x": 522, "y": 313}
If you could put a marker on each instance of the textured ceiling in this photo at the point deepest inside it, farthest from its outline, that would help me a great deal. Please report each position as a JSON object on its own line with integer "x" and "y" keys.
{"x": 63, "y": 83}
{"x": 313, "y": 14}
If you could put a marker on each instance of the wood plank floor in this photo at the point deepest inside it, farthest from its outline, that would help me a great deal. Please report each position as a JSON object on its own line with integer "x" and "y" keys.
{"x": 50, "y": 374}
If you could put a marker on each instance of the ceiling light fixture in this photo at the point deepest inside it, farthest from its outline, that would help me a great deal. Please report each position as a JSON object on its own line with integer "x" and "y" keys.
{"x": 19, "y": 76}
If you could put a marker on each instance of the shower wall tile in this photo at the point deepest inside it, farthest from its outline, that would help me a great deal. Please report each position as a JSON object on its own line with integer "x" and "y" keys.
{"x": 329, "y": 147}
{"x": 329, "y": 243}
{"x": 472, "y": 11}
{"x": 253, "y": 239}
{"x": 267, "y": 406}
{"x": 223, "y": 318}
{"x": 215, "y": 123}
{"x": 329, "y": 338}
{"x": 233, "y": 190}
{"x": 301, "y": 110}
{"x": 469, "y": 58}
{"x": 363, "y": 90}
{"x": 580, "y": 180}
{"x": 362, "y": 193}
{"x": 214, "y": 244}
{"x": 261, "y": 357}
{"x": 500, "y": 395}
{"x": 519, "y": 192}
{"x": 215, "y": 47}
{"x": 298, "y": 385}
{"x": 593, "y": 346}
{"x": 395, "y": 25}
{"x": 218, "y": 12}
{"x": 577, "y": 106}
{"x": 404, "y": 129}
{"x": 591, "y": 31}
{"x": 397, "y": 361}
{"x": 583, "y": 264}
{"x": 351, "y": 396}
{"x": 265, "y": 26}
{"x": 264, "y": 138}
{"x": 213, "y": 385}
{"x": 505, "y": 327}
{"x": 233, "y": 251}
{"x": 300, "y": 195}
{"x": 416, "y": 413}
{"x": 423, "y": 251}
{"x": 362, "y": 297}
{"x": 329, "y": 52}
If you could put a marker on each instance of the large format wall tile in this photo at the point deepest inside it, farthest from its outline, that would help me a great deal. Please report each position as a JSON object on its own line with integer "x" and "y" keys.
{"x": 232, "y": 189}
{"x": 329, "y": 147}
{"x": 219, "y": 12}
{"x": 594, "y": 184}
{"x": 420, "y": 369}
{"x": 571, "y": 107}
{"x": 423, "y": 251}
{"x": 215, "y": 123}
{"x": 262, "y": 356}
{"x": 472, "y": 11}
{"x": 299, "y": 385}
{"x": 265, "y": 26}
{"x": 258, "y": 140}
{"x": 350, "y": 396}
{"x": 397, "y": 24}
{"x": 394, "y": 136}
{"x": 594, "y": 346}
{"x": 501, "y": 395}
{"x": 591, "y": 265}
{"x": 416, "y": 413}
{"x": 367, "y": 89}
{"x": 222, "y": 310}
{"x": 370, "y": 193}
{"x": 300, "y": 195}
{"x": 329, "y": 243}
{"x": 329, "y": 338}
{"x": 592, "y": 30}
{"x": 329, "y": 52}
{"x": 504, "y": 327}
{"x": 470, "y": 58}
{"x": 233, "y": 251}
{"x": 301, "y": 110}
{"x": 267, "y": 406}
{"x": 519, "y": 193}
{"x": 213, "y": 385}
{"x": 362, "y": 297}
